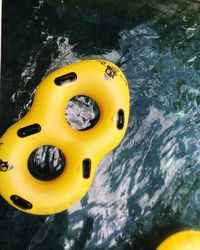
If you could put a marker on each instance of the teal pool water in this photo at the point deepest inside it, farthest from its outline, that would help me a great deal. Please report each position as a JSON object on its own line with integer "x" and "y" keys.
{"x": 149, "y": 186}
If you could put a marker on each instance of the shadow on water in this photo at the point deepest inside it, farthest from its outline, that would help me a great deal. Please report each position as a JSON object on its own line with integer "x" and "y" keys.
{"x": 147, "y": 188}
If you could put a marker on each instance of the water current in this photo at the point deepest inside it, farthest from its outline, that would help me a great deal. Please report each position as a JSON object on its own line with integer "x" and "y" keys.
{"x": 149, "y": 186}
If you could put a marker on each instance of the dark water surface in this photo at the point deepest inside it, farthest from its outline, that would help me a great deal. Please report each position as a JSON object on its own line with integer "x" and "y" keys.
{"x": 148, "y": 187}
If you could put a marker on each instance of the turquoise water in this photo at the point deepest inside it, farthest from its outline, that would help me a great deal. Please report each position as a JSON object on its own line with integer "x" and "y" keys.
{"x": 148, "y": 187}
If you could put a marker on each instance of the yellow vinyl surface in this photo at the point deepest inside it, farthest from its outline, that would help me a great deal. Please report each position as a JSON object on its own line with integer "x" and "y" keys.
{"x": 100, "y": 80}
{"x": 186, "y": 240}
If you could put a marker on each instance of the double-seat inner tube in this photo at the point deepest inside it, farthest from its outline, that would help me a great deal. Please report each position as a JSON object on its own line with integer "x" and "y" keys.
{"x": 73, "y": 154}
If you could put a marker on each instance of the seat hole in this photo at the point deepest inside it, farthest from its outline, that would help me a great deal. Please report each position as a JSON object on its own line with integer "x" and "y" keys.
{"x": 82, "y": 112}
{"x": 64, "y": 79}
{"x": 29, "y": 130}
{"x": 46, "y": 163}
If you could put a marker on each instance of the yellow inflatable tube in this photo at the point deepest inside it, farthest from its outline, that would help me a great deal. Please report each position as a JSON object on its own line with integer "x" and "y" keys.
{"x": 46, "y": 124}
{"x": 186, "y": 240}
